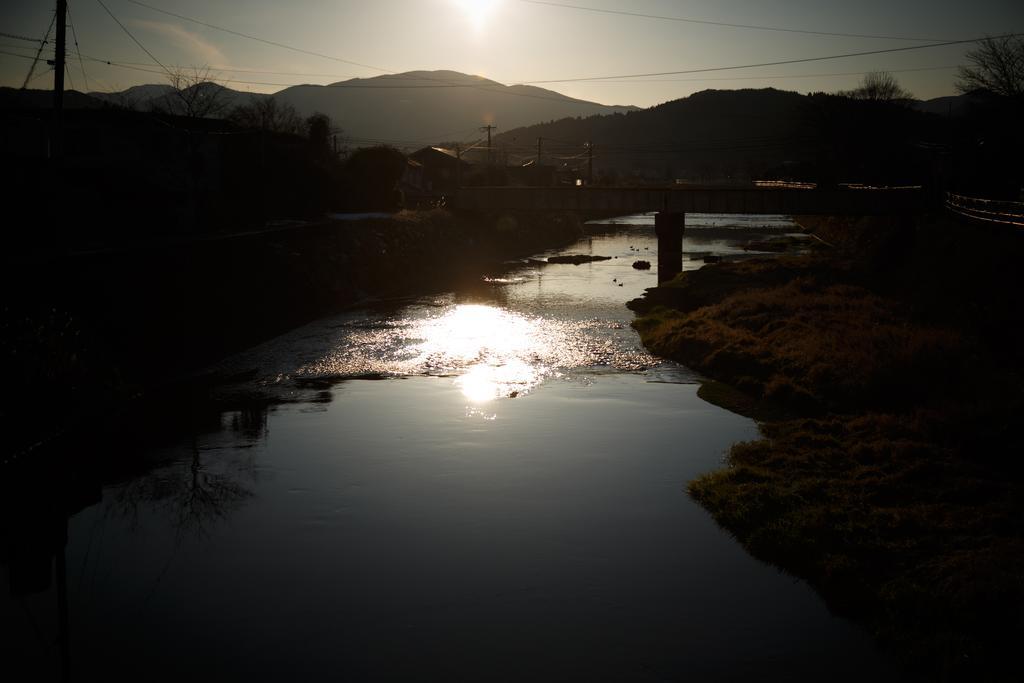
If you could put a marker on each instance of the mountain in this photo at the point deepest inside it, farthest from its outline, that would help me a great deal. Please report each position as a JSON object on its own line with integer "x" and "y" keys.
{"x": 162, "y": 97}
{"x": 422, "y": 107}
{"x": 951, "y": 105}
{"x": 136, "y": 97}
{"x": 723, "y": 135}
{"x": 724, "y": 131}
{"x": 407, "y": 110}
{"x": 14, "y": 98}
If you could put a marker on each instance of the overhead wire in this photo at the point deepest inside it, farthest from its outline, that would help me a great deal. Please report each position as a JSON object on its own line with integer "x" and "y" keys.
{"x": 138, "y": 67}
{"x": 256, "y": 38}
{"x": 562, "y": 98}
{"x": 15, "y": 36}
{"x": 15, "y": 54}
{"x": 756, "y": 27}
{"x": 42, "y": 44}
{"x": 448, "y": 84}
{"x": 134, "y": 39}
{"x": 347, "y": 84}
{"x": 781, "y": 76}
{"x": 441, "y": 83}
{"x": 436, "y": 83}
{"x": 78, "y": 50}
{"x": 802, "y": 60}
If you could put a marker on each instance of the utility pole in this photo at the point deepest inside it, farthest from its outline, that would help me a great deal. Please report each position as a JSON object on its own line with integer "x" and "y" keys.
{"x": 590, "y": 163}
{"x": 57, "y": 142}
{"x": 490, "y": 150}
{"x": 490, "y": 153}
{"x": 458, "y": 166}
{"x": 538, "y": 178}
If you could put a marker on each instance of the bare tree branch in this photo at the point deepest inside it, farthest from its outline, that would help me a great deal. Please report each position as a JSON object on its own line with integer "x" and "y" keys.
{"x": 879, "y": 86}
{"x": 266, "y": 113}
{"x": 997, "y": 65}
{"x": 196, "y": 94}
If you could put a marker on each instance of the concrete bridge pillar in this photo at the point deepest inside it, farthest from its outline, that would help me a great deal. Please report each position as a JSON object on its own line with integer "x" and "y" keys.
{"x": 669, "y": 227}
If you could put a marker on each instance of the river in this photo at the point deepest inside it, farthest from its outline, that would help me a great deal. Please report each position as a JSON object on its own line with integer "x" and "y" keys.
{"x": 486, "y": 484}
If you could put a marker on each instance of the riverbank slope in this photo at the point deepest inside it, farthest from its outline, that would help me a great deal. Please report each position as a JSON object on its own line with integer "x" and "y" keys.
{"x": 886, "y": 373}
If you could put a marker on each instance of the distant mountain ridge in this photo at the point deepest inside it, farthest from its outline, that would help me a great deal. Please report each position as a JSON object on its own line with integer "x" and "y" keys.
{"x": 713, "y": 132}
{"x": 417, "y": 108}
{"x": 720, "y": 135}
{"x": 420, "y": 107}
{"x": 406, "y": 110}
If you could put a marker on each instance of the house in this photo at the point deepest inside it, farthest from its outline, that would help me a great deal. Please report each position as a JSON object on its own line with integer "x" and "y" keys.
{"x": 441, "y": 169}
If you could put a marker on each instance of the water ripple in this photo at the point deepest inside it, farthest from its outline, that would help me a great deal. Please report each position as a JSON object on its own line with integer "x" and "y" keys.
{"x": 493, "y": 351}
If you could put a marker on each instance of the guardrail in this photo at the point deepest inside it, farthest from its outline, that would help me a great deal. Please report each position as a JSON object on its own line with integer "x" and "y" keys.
{"x": 987, "y": 210}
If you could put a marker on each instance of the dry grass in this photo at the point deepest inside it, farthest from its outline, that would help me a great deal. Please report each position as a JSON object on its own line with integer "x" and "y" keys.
{"x": 817, "y": 346}
{"x": 889, "y": 476}
{"x": 893, "y": 528}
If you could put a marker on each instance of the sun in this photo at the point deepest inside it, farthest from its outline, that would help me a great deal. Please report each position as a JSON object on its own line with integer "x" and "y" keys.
{"x": 477, "y": 12}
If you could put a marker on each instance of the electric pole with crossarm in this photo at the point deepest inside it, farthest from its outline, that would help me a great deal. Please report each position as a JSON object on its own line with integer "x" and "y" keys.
{"x": 490, "y": 150}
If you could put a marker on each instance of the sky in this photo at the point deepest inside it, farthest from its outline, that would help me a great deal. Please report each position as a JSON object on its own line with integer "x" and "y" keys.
{"x": 511, "y": 41}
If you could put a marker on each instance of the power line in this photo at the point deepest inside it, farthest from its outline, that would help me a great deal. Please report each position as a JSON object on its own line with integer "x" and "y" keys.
{"x": 561, "y": 98}
{"x": 15, "y": 54}
{"x": 42, "y": 44}
{"x": 74, "y": 35}
{"x": 17, "y": 37}
{"x": 134, "y": 39}
{"x": 435, "y": 84}
{"x": 803, "y": 60}
{"x": 394, "y": 78}
{"x": 483, "y": 88}
{"x": 256, "y": 38}
{"x": 755, "y": 27}
{"x": 440, "y": 83}
{"x": 139, "y": 67}
{"x": 135, "y": 66}
{"x": 781, "y": 76}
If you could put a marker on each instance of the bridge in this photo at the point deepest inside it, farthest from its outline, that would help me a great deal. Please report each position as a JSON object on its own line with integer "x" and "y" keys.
{"x": 673, "y": 203}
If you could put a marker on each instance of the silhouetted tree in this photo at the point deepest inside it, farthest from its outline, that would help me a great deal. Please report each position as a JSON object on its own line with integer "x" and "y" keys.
{"x": 267, "y": 114}
{"x": 372, "y": 175}
{"x": 195, "y": 95}
{"x": 879, "y": 86}
{"x": 320, "y": 131}
{"x": 997, "y": 65}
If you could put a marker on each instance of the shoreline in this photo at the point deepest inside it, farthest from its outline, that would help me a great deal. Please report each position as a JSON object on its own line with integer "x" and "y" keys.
{"x": 887, "y": 475}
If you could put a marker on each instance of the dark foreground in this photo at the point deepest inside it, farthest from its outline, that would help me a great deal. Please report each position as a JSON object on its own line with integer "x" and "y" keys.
{"x": 886, "y": 372}
{"x": 508, "y": 506}
{"x": 93, "y": 330}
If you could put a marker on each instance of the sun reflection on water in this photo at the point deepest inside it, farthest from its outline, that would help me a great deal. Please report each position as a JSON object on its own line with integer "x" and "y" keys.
{"x": 491, "y": 352}
{"x": 501, "y": 354}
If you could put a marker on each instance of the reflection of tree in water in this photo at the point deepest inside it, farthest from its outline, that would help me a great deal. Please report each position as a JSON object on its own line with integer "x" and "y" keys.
{"x": 207, "y": 495}
{"x": 204, "y": 489}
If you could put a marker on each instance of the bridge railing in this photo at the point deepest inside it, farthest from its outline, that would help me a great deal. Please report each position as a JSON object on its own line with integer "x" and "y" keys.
{"x": 986, "y": 210}
{"x": 693, "y": 200}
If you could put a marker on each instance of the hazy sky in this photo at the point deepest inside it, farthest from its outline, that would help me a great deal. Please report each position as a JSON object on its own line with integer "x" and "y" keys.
{"x": 514, "y": 41}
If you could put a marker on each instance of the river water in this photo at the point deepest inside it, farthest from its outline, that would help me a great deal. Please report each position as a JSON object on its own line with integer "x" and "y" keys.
{"x": 486, "y": 484}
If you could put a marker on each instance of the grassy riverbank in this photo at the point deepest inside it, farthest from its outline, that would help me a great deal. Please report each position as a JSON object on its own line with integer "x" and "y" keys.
{"x": 886, "y": 373}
